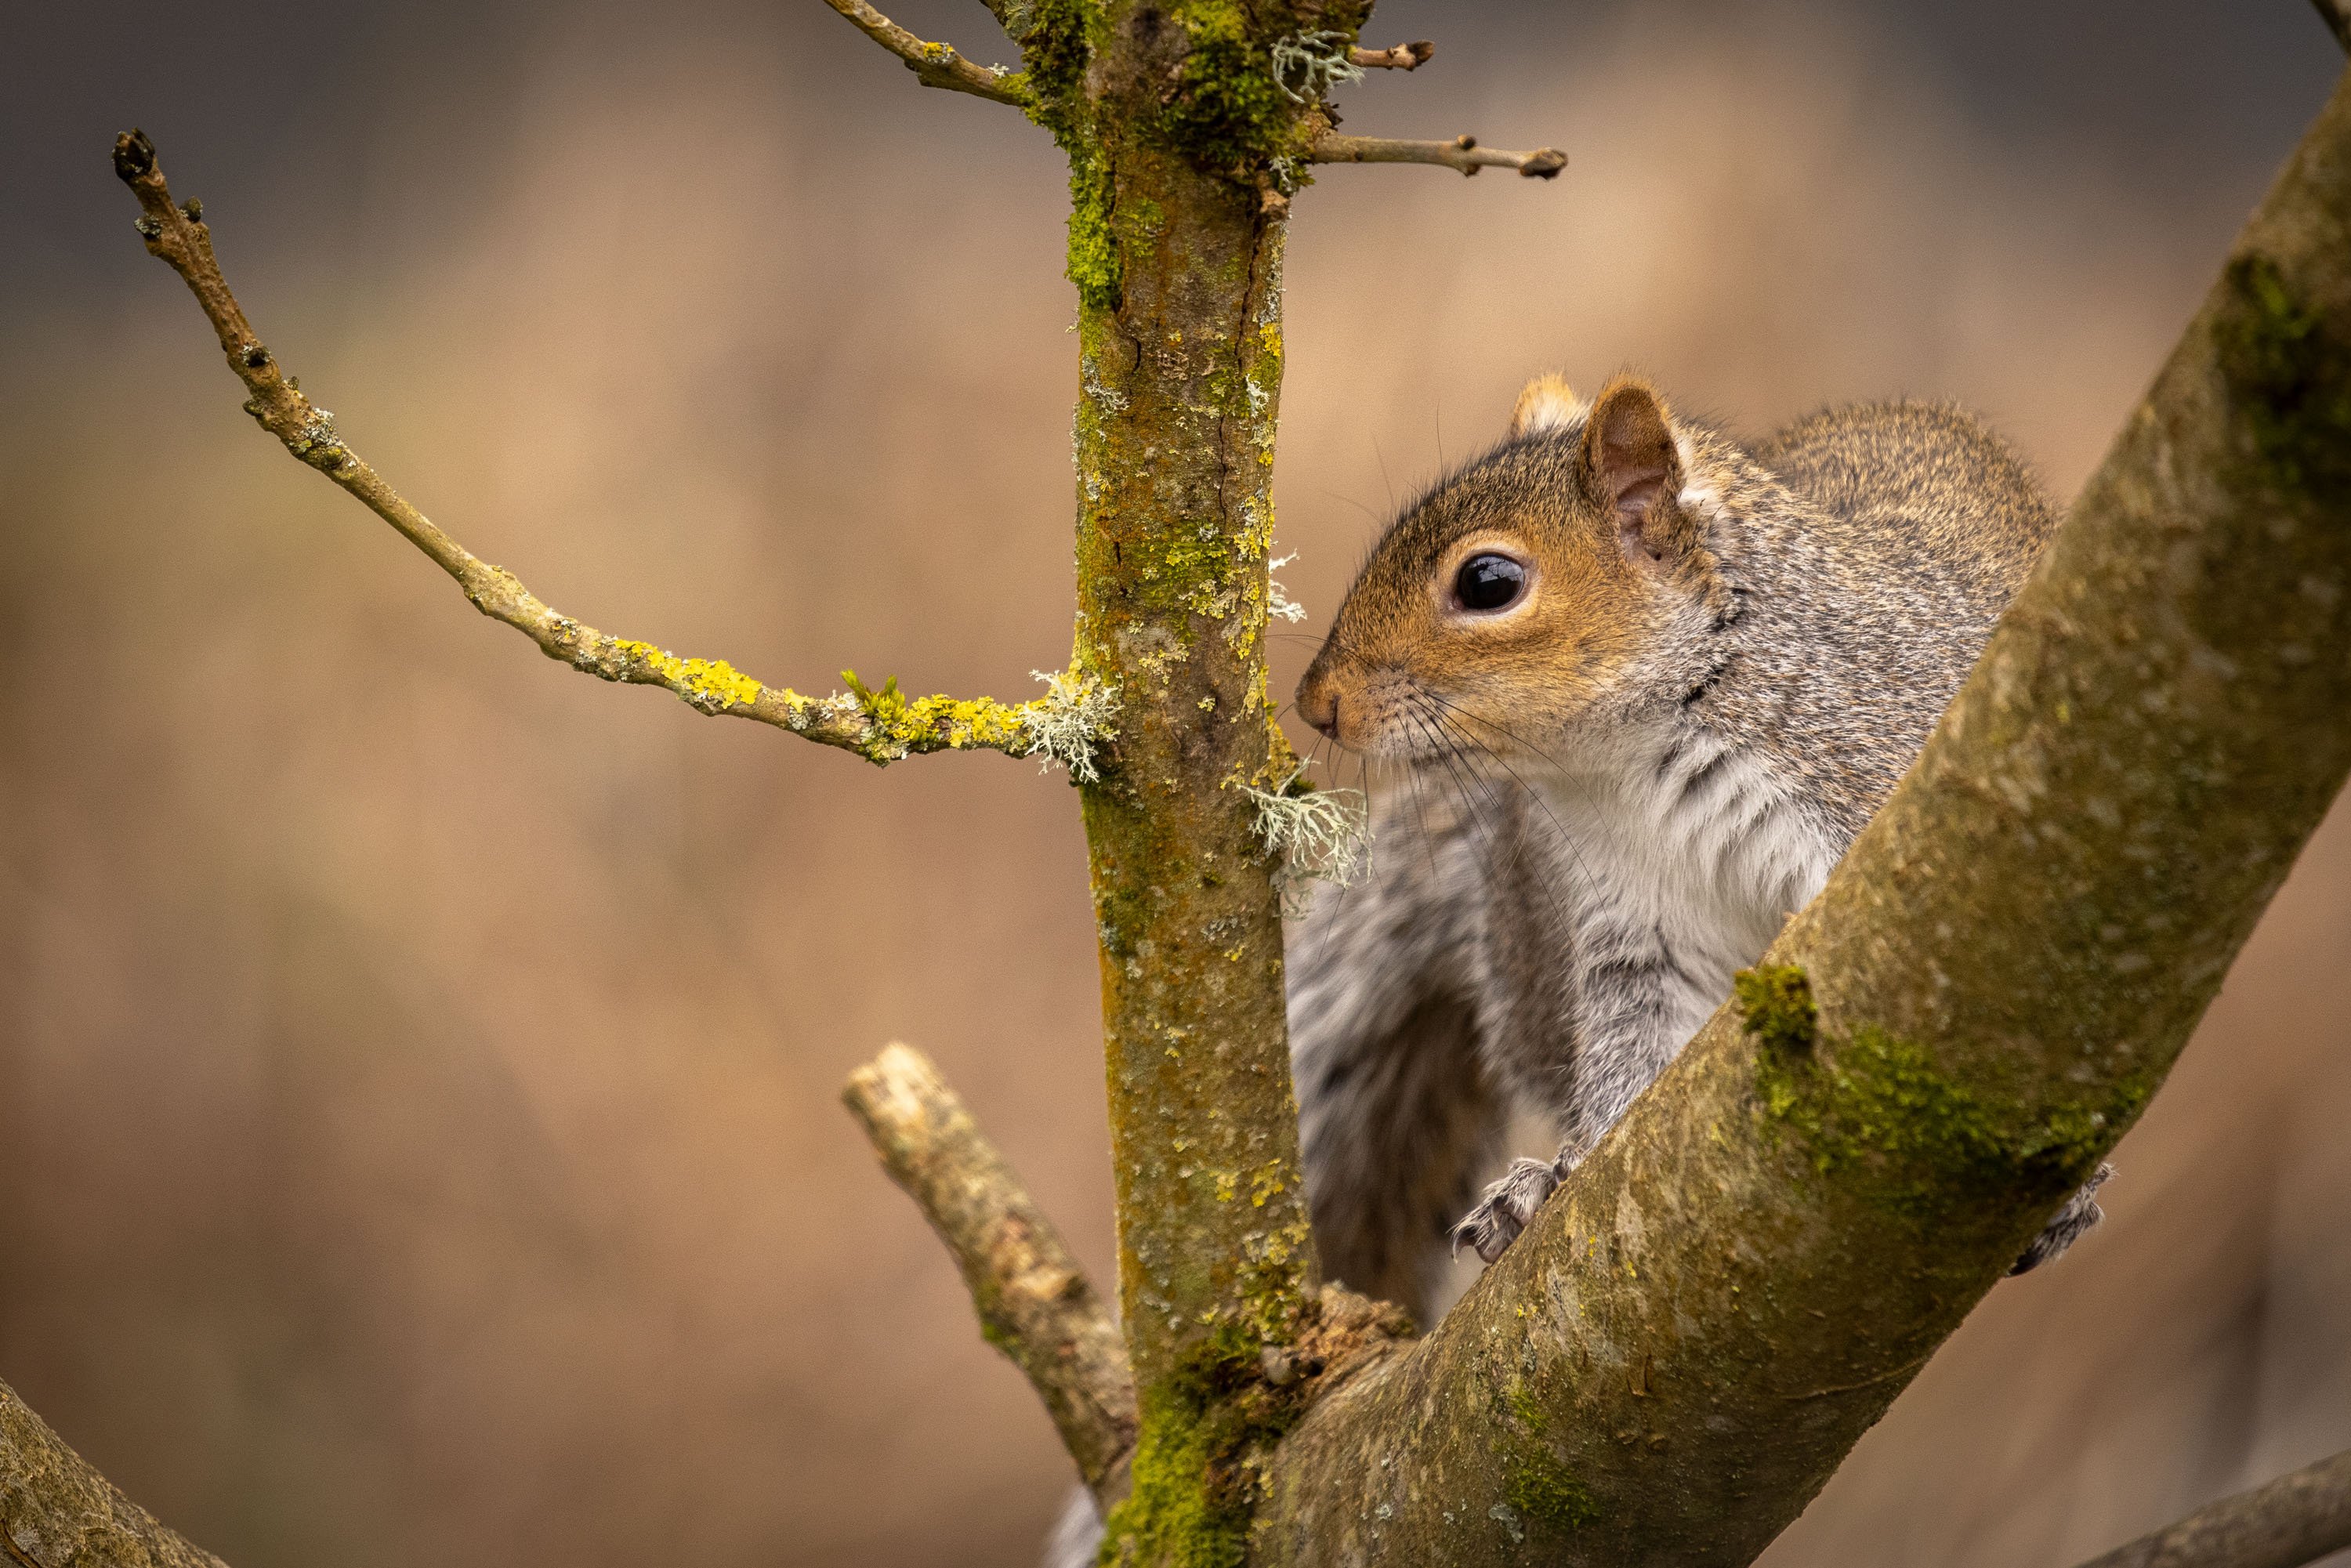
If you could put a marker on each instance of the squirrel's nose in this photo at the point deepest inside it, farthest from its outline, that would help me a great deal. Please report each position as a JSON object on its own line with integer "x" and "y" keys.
{"x": 1318, "y": 704}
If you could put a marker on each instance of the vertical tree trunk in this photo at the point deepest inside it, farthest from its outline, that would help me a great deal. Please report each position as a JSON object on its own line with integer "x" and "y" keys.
{"x": 1175, "y": 239}
{"x": 1175, "y": 445}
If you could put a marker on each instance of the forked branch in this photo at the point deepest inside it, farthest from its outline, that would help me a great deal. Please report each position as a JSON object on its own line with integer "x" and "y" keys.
{"x": 2296, "y": 1519}
{"x": 1462, "y": 153}
{"x": 933, "y": 65}
{"x": 879, "y": 725}
{"x": 1034, "y": 1303}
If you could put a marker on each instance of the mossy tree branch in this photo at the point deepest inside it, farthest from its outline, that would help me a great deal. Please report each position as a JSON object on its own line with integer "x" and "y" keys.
{"x": 55, "y": 1511}
{"x": 2296, "y": 1519}
{"x": 881, "y": 725}
{"x": 1731, "y": 1290}
{"x": 1035, "y": 1303}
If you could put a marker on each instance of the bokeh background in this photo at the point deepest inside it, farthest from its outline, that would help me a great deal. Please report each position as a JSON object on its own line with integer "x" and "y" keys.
{"x": 417, "y": 1062}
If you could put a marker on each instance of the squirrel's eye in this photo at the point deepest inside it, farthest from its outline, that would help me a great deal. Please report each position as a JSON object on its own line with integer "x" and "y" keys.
{"x": 1489, "y": 582}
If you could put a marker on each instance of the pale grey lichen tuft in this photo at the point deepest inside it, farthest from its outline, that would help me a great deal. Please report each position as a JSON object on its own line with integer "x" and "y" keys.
{"x": 1307, "y": 66}
{"x": 1278, "y": 602}
{"x": 1076, "y": 711}
{"x": 1313, "y": 835}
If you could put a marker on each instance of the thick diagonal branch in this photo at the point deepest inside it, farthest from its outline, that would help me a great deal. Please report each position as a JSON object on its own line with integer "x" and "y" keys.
{"x": 1462, "y": 153}
{"x": 2294, "y": 1520}
{"x": 1034, "y": 1303}
{"x": 1731, "y": 1288}
{"x": 933, "y": 65}
{"x": 56, "y": 1511}
{"x": 880, "y": 726}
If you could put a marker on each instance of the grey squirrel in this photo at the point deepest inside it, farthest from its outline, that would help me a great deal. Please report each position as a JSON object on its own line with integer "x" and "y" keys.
{"x": 1644, "y": 684}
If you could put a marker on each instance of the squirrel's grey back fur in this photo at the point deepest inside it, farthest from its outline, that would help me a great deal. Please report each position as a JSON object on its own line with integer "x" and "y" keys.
{"x": 1873, "y": 546}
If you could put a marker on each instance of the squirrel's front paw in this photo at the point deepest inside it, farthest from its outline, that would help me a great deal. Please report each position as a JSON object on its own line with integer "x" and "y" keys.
{"x": 1508, "y": 1206}
{"x": 2080, "y": 1214}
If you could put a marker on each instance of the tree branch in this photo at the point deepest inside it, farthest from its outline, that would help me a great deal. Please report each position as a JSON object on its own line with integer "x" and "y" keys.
{"x": 879, "y": 725}
{"x": 55, "y": 1509}
{"x": 933, "y": 65}
{"x": 1728, "y": 1291}
{"x": 2336, "y": 15}
{"x": 1034, "y": 1304}
{"x": 1401, "y": 58}
{"x": 2294, "y": 1520}
{"x": 1462, "y": 153}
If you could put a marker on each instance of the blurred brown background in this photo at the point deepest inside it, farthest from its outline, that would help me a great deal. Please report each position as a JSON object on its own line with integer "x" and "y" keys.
{"x": 417, "y": 1062}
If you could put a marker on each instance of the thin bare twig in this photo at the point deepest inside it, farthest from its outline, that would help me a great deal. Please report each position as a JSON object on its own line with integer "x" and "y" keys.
{"x": 935, "y": 65}
{"x": 1402, "y": 58}
{"x": 880, "y": 726}
{"x": 2296, "y": 1519}
{"x": 2336, "y": 15}
{"x": 1034, "y": 1304}
{"x": 1462, "y": 153}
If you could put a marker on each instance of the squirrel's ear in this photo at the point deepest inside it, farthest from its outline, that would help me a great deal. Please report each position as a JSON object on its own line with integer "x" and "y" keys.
{"x": 1633, "y": 463}
{"x": 1546, "y": 403}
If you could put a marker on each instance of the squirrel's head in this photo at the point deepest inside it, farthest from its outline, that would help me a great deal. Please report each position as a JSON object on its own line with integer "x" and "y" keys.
{"x": 1509, "y": 603}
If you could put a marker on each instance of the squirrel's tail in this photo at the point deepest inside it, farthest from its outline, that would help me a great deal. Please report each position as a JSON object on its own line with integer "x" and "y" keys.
{"x": 1077, "y": 1534}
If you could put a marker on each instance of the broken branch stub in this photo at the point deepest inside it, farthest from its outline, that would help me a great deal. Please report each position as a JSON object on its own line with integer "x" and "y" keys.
{"x": 1034, "y": 1303}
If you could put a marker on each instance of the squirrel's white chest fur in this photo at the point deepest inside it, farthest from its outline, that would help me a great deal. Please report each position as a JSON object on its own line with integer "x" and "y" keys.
{"x": 1685, "y": 855}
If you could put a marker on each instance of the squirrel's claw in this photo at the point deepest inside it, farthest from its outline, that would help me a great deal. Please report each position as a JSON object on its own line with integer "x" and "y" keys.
{"x": 1507, "y": 1208}
{"x": 2080, "y": 1215}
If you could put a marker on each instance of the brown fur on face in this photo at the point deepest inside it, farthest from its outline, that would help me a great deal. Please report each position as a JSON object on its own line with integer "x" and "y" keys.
{"x": 1587, "y": 503}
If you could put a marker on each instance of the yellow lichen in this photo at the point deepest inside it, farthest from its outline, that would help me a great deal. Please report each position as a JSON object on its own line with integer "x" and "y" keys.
{"x": 713, "y": 685}
{"x": 1265, "y": 1182}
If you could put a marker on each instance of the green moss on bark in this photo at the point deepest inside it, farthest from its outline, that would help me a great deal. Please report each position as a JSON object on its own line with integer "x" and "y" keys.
{"x": 2289, "y": 378}
{"x": 1225, "y": 111}
{"x": 1873, "y": 1109}
{"x": 1776, "y": 1002}
{"x": 1535, "y": 1481}
{"x": 1199, "y": 1458}
{"x": 1093, "y": 264}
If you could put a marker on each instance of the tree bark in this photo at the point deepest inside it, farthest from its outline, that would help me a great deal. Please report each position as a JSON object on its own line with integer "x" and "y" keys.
{"x": 1178, "y": 267}
{"x": 1034, "y": 1303}
{"x": 55, "y": 1511}
{"x": 2296, "y": 1519}
{"x": 1674, "y": 1358}
{"x": 1174, "y": 436}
